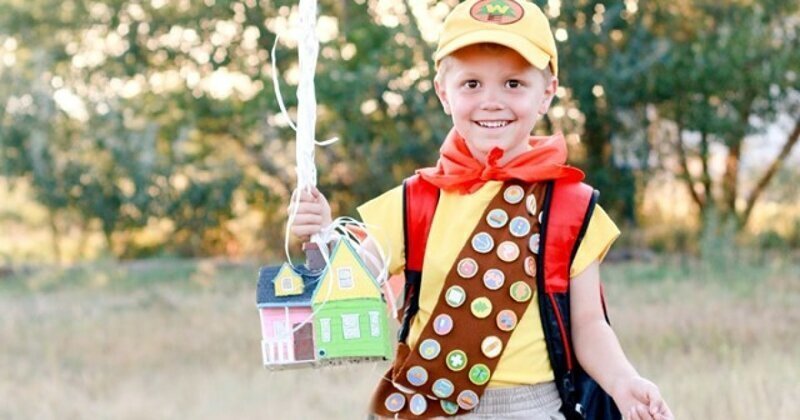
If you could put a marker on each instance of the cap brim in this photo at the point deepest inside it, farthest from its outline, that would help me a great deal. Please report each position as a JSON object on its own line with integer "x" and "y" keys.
{"x": 535, "y": 55}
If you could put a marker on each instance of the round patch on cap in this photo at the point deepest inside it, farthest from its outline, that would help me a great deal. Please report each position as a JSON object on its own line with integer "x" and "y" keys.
{"x": 467, "y": 399}
{"x": 501, "y": 12}
{"x": 493, "y": 279}
{"x": 443, "y": 388}
{"x": 491, "y": 346}
{"x": 506, "y": 320}
{"x": 395, "y": 402}
{"x": 481, "y": 307}
{"x": 429, "y": 349}
{"x": 479, "y": 374}
{"x": 530, "y": 204}
{"x": 520, "y": 291}
{"x": 449, "y": 407}
{"x": 513, "y": 194}
{"x": 533, "y": 243}
{"x": 456, "y": 360}
{"x": 455, "y": 296}
{"x": 417, "y": 376}
{"x": 443, "y": 324}
{"x": 483, "y": 243}
{"x": 418, "y": 404}
{"x": 508, "y": 251}
{"x": 497, "y": 218}
{"x": 467, "y": 268}
{"x": 519, "y": 227}
{"x": 530, "y": 266}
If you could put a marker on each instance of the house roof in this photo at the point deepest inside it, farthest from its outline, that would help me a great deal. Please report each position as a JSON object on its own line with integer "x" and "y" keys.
{"x": 343, "y": 244}
{"x": 265, "y": 292}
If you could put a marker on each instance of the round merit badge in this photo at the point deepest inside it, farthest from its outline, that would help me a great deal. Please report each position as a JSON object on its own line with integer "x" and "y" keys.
{"x": 395, "y": 402}
{"x": 520, "y": 291}
{"x": 418, "y": 404}
{"x": 513, "y": 194}
{"x": 482, "y": 242}
{"x": 467, "y": 399}
{"x": 455, "y": 296}
{"x": 508, "y": 251}
{"x": 449, "y": 407}
{"x": 443, "y": 388}
{"x": 479, "y": 374}
{"x": 491, "y": 346}
{"x": 530, "y": 204}
{"x": 467, "y": 268}
{"x": 497, "y": 218}
{"x": 533, "y": 243}
{"x": 429, "y": 349}
{"x": 443, "y": 324}
{"x": 530, "y": 266}
{"x": 456, "y": 360}
{"x": 481, "y": 307}
{"x": 519, "y": 226}
{"x": 506, "y": 320}
{"x": 417, "y": 376}
{"x": 493, "y": 279}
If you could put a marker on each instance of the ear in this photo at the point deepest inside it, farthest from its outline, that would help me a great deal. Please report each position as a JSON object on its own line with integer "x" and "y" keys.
{"x": 441, "y": 92}
{"x": 549, "y": 93}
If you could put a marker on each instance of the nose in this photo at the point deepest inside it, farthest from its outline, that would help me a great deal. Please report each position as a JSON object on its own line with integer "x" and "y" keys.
{"x": 492, "y": 100}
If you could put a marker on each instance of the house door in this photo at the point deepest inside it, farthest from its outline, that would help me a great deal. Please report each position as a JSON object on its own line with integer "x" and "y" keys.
{"x": 304, "y": 342}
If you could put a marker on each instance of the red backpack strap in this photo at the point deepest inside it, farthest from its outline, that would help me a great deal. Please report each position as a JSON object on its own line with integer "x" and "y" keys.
{"x": 419, "y": 204}
{"x": 570, "y": 208}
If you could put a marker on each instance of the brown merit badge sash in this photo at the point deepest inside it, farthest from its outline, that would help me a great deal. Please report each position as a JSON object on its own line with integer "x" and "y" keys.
{"x": 484, "y": 296}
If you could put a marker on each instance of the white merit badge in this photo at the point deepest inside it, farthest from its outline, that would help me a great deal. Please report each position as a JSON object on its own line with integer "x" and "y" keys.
{"x": 467, "y": 268}
{"x": 443, "y": 388}
{"x": 491, "y": 346}
{"x": 467, "y": 399}
{"x": 519, "y": 227}
{"x": 443, "y": 324}
{"x": 530, "y": 204}
{"x": 483, "y": 243}
{"x": 429, "y": 349}
{"x": 533, "y": 243}
{"x": 508, "y": 251}
{"x": 497, "y": 218}
{"x": 493, "y": 279}
{"x": 395, "y": 402}
{"x": 513, "y": 194}
{"x": 417, "y": 376}
{"x": 530, "y": 266}
{"x": 418, "y": 404}
{"x": 481, "y": 307}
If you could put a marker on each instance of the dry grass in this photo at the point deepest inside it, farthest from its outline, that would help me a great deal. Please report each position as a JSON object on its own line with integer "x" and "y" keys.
{"x": 176, "y": 340}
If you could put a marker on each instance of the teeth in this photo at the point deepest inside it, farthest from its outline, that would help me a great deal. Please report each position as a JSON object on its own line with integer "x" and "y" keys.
{"x": 493, "y": 124}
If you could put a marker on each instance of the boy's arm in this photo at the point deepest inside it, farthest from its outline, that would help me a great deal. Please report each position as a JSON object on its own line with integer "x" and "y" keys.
{"x": 600, "y": 354}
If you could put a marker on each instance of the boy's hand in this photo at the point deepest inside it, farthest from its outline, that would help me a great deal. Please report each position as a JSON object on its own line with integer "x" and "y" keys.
{"x": 639, "y": 399}
{"x": 313, "y": 214}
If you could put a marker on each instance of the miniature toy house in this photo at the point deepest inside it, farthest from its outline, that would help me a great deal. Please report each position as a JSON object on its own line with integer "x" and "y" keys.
{"x": 309, "y": 317}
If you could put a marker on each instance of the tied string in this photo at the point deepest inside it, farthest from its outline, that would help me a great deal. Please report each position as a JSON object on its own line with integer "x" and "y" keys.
{"x": 341, "y": 229}
{"x": 491, "y": 171}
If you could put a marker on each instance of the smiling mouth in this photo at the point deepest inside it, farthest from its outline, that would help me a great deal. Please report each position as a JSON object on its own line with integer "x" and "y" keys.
{"x": 493, "y": 124}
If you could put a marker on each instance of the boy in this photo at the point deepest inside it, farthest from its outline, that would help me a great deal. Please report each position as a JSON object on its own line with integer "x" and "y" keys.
{"x": 477, "y": 341}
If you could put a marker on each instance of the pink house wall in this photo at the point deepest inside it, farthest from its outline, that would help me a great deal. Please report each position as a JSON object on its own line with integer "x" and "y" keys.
{"x": 270, "y": 315}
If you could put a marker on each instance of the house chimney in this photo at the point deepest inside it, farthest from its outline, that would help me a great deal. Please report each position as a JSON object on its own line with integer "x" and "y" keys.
{"x": 314, "y": 260}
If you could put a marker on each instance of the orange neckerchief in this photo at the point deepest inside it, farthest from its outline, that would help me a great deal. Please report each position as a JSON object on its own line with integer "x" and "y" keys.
{"x": 458, "y": 170}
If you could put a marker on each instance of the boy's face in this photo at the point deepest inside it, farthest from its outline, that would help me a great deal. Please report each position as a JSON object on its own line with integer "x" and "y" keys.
{"x": 495, "y": 98}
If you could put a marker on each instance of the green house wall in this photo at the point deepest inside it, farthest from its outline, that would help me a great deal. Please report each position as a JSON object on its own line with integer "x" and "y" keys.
{"x": 366, "y": 345}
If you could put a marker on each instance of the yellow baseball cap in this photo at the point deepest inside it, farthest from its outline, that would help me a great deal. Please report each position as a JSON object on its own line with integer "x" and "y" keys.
{"x": 516, "y": 24}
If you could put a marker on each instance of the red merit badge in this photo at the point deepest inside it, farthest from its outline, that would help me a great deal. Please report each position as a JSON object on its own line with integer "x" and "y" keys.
{"x": 502, "y": 12}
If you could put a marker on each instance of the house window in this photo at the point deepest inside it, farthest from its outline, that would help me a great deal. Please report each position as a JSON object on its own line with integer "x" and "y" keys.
{"x": 281, "y": 330}
{"x": 325, "y": 329}
{"x": 345, "y": 276}
{"x": 286, "y": 284}
{"x": 375, "y": 323}
{"x": 350, "y": 326}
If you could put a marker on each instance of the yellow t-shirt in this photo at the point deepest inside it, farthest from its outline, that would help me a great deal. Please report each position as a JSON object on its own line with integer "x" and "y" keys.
{"x": 525, "y": 359}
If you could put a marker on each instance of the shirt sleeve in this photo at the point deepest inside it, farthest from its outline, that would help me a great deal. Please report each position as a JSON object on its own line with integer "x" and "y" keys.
{"x": 383, "y": 217}
{"x": 600, "y": 235}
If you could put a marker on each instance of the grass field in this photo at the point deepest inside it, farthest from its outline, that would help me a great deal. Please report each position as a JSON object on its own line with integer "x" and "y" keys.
{"x": 164, "y": 339}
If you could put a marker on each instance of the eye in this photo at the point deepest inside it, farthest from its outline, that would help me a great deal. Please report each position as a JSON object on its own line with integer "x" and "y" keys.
{"x": 513, "y": 84}
{"x": 472, "y": 84}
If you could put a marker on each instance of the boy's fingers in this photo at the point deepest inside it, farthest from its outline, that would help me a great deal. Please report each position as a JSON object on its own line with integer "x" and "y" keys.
{"x": 311, "y": 219}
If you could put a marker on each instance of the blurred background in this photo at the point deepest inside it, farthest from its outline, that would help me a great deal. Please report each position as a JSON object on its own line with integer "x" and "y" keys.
{"x": 145, "y": 171}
